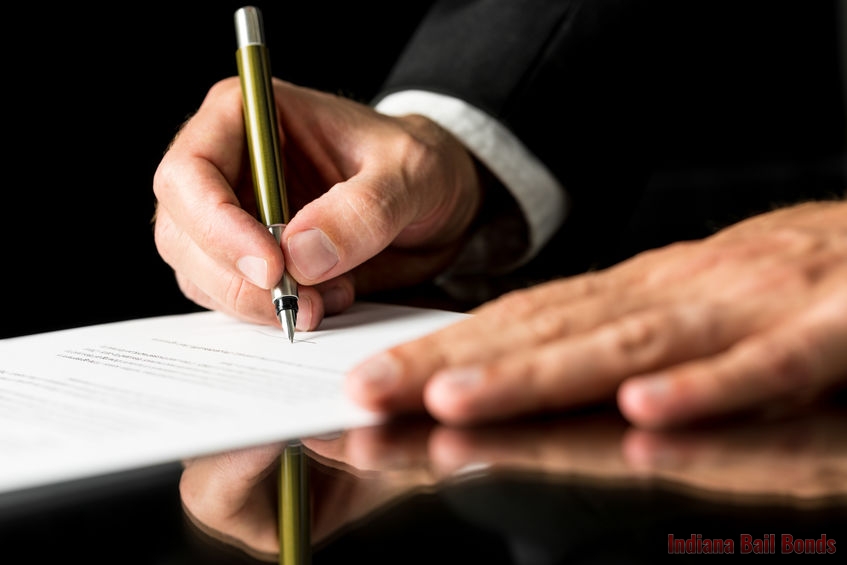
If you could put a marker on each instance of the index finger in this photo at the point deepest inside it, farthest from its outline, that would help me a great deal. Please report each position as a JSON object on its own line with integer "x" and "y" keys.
{"x": 195, "y": 182}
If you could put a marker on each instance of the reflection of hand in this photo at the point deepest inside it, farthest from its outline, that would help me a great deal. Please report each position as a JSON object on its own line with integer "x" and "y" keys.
{"x": 366, "y": 469}
{"x": 746, "y": 319}
{"x": 232, "y": 497}
{"x": 802, "y": 457}
{"x": 362, "y": 185}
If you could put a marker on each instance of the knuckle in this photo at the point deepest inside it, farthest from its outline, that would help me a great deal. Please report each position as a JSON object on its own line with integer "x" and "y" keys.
{"x": 236, "y": 293}
{"x": 636, "y": 334}
{"x": 376, "y": 212}
{"x": 548, "y": 325}
{"x": 190, "y": 290}
{"x": 226, "y": 86}
{"x": 169, "y": 241}
{"x": 514, "y": 303}
{"x": 189, "y": 493}
{"x": 790, "y": 367}
{"x": 163, "y": 176}
{"x": 587, "y": 284}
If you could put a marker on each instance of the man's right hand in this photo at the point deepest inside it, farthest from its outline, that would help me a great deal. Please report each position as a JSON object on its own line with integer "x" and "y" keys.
{"x": 378, "y": 202}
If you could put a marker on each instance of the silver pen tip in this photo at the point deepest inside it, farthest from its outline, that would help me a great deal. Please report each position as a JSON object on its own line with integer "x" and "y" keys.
{"x": 288, "y": 321}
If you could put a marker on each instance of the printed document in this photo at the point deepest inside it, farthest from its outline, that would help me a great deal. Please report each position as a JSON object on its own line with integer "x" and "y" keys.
{"x": 99, "y": 399}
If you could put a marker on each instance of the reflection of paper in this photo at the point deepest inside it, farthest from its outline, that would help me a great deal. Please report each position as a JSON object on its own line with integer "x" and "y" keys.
{"x": 112, "y": 397}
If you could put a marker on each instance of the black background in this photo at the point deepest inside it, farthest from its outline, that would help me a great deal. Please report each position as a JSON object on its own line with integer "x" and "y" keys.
{"x": 93, "y": 95}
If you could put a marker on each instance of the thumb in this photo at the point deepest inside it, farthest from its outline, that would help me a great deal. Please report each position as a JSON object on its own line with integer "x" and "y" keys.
{"x": 347, "y": 225}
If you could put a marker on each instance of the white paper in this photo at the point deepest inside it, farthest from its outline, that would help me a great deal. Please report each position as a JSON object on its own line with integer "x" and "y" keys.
{"x": 113, "y": 397}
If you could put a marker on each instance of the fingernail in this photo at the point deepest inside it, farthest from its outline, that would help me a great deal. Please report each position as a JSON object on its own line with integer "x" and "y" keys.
{"x": 312, "y": 252}
{"x": 329, "y": 436}
{"x": 255, "y": 269}
{"x": 472, "y": 468}
{"x": 304, "y": 313}
{"x": 461, "y": 377}
{"x": 646, "y": 450}
{"x": 650, "y": 388}
{"x": 645, "y": 398}
{"x": 380, "y": 371}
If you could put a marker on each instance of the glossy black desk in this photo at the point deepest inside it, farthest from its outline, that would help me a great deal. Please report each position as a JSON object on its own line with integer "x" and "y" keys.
{"x": 585, "y": 488}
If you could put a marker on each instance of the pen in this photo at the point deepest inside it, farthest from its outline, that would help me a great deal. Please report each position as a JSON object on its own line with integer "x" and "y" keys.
{"x": 294, "y": 513}
{"x": 260, "y": 122}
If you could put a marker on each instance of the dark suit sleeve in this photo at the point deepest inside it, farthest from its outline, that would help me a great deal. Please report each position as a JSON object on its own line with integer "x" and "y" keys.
{"x": 605, "y": 91}
{"x": 560, "y": 75}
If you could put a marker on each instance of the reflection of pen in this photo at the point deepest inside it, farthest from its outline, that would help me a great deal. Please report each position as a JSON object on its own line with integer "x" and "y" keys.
{"x": 294, "y": 516}
{"x": 263, "y": 142}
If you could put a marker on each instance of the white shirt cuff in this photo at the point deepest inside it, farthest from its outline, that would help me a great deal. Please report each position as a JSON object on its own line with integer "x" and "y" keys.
{"x": 540, "y": 196}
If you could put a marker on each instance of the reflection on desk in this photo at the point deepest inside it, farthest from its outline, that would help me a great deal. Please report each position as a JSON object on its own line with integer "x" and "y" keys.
{"x": 583, "y": 488}
{"x": 580, "y": 489}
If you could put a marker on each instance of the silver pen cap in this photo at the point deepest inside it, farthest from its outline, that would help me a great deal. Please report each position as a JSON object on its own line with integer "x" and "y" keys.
{"x": 248, "y": 27}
